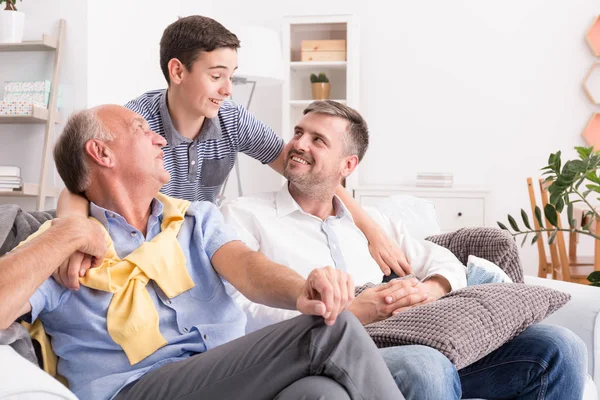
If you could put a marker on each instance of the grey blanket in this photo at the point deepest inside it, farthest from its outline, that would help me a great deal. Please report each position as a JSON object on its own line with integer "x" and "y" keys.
{"x": 15, "y": 226}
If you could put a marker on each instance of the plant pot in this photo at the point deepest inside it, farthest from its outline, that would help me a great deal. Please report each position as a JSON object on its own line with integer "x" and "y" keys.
{"x": 11, "y": 26}
{"x": 320, "y": 90}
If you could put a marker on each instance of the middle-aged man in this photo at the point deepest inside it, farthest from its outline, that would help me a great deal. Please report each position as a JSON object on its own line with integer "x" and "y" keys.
{"x": 304, "y": 225}
{"x": 154, "y": 320}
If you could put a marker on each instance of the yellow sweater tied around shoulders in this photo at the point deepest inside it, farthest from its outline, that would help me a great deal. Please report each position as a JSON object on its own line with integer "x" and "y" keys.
{"x": 132, "y": 319}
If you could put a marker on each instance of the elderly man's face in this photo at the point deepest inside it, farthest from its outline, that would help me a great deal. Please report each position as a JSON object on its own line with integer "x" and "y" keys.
{"x": 137, "y": 150}
{"x": 315, "y": 154}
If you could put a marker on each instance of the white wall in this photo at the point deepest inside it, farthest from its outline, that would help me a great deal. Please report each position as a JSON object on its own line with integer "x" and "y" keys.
{"x": 123, "y": 39}
{"x": 22, "y": 144}
{"x": 482, "y": 89}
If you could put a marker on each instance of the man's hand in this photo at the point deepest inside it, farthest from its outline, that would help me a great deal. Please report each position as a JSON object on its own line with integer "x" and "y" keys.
{"x": 327, "y": 292}
{"x": 90, "y": 240}
{"x": 387, "y": 254}
{"x": 381, "y": 302}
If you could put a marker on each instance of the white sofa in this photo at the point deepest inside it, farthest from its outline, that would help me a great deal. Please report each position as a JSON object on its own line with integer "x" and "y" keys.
{"x": 19, "y": 379}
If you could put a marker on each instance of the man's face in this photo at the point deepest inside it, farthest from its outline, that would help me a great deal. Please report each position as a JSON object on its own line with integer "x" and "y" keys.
{"x": 137, "y": 150}
{"x": 315, "y": 155}
{"x": 208, "y": 83}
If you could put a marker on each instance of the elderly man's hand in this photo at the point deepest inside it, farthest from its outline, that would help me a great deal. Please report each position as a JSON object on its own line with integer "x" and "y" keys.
{"x": 381, "y": 302}
{"x": 89, "y": 239}
{"x": 327, "y": 292}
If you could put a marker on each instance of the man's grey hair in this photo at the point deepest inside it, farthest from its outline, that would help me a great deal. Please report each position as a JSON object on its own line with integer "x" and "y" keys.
{"x": 356, "y": 140}
{"x": 69, "y": 152}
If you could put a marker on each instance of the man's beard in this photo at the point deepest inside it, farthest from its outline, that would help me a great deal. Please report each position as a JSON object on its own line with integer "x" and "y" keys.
{"x": 310, "y": 185}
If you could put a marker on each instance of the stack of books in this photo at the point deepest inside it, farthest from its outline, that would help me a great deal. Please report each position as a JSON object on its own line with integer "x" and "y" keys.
{"x": 434, "y": 179}
{"x": 10, "y": 178}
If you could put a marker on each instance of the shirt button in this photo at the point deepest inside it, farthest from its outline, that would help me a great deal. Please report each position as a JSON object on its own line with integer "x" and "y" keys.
{"x": 168, "y": 301}
{"x": 205, "y": 337}
{"x": 111, "y": 215}
{"x": 193, "y": 162}
{"x": 133, "y": 234}
{"x": 186, "y": 330}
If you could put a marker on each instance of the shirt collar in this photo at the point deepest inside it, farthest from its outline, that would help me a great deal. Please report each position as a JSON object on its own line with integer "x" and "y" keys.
{"x": 285, "y": 204}
{"x": 103, "y": 215}
{"x": 211, "y": 128}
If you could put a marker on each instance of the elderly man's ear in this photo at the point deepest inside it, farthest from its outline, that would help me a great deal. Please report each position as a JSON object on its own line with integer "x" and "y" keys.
{"x": 100, "y": 153}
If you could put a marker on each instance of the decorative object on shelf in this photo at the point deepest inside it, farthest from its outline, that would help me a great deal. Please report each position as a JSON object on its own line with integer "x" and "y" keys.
{"x": 260, "y": 62}
{"x": 565, "y": 191}
{"x": 434, "y": 179}
{"x": 593, "y": 37}
{"x": 11, "y": 23}
{"x": 323, "y": 50}
{"x": 591, "y": 132}
{"x": 36, "y": 92}
{"x": 320, "y": 86}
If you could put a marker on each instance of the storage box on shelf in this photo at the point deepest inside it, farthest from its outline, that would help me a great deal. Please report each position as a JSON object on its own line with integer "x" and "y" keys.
{"x": 323, "y": 50}
{"x": 25, "y": 110}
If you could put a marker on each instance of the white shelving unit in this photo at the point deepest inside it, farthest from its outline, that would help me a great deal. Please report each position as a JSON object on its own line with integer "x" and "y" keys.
{"x": 40, "y": 115}
{"x": 343, "y": 75}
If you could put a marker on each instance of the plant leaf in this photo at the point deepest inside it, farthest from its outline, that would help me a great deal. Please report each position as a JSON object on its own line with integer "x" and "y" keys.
{"x": 550, "y": 213}
{"x": 538, "y": 215}
{"x": 552, "y": 236}
{"x": 525, "y": 219}
{"x": 560, "y": 204}
{"x": 502, "y": 226}
{"x": 594, "y": 276}
{"x": 570, "y": 215}
{"x": 524, "y": 240}
{"x": 536, "y": 237}
{"x": 513, "y": 223}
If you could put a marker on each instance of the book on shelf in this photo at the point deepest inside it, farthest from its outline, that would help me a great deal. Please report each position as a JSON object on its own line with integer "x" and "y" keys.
{"x": 9, "y": 171}
{"x": 434, "y": 179}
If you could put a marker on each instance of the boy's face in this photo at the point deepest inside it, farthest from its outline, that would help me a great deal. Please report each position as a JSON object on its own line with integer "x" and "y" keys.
{"x": 208, "y": 83}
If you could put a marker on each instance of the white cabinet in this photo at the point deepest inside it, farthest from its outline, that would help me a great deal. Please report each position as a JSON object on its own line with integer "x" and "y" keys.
{"x": 455, "y": 207}
{"x": 343, "y": 75}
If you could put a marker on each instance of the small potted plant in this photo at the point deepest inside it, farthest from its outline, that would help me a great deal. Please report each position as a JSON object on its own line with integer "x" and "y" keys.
{"x": 11, "y": 23}
{"x": 320, "y": 86}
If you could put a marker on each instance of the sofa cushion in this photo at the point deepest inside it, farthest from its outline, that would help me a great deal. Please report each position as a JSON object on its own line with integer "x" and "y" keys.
{"x": 469, "y": 323}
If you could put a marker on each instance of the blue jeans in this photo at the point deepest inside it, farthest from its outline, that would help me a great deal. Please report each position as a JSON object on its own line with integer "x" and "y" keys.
{"x": 543, "y": 362}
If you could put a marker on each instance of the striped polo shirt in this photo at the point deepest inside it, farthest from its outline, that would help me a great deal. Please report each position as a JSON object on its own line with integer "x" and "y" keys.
{"x": 199, "y": 167}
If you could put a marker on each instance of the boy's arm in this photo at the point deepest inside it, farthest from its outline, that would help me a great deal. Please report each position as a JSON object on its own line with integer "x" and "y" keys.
{"x": 76, "y": 265}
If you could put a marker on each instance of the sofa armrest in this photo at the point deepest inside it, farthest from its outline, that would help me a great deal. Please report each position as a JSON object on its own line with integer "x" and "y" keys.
{"x": 23, "y": 379}
{"x": 495, "y": 245}
{"x": 581, "y": 315}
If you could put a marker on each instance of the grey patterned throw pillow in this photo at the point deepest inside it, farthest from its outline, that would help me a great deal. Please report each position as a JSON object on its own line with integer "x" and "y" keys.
{"x": 468, "y": 324}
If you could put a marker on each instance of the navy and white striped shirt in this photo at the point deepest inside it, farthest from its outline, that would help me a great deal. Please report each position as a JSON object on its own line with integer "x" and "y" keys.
{"x": 199, "y": 167}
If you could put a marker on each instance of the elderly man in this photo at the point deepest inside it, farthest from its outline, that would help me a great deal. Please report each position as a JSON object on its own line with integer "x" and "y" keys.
{"x": 154, "y": 319}
{"x": 305, "y": 224}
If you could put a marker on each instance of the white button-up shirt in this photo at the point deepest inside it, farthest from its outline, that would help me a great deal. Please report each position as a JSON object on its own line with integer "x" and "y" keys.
{"x": 274, "y": 224}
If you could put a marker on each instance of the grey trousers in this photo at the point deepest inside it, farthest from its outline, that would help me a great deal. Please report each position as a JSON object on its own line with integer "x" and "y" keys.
{"x": 298, "y": 356}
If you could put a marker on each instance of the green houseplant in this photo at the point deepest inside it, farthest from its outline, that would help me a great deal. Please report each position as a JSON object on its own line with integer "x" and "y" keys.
{"x": 11, "y": 5}
{"x": 572, "y": 183}
{"x": 320, "y": 86}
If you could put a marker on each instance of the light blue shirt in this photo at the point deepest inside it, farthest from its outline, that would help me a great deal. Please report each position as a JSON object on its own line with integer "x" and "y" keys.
{"x": 193, "y": 322}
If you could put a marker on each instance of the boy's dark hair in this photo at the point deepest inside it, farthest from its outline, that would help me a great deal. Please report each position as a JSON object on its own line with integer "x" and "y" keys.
{"x": 185, "y": 38}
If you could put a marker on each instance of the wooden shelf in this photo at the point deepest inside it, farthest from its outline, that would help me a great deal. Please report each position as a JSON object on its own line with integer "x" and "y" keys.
{"x": 39, "y": 116}
{"x": 31, "y": 190}
{"x": 304, "y": 103}
{"x": 48, "y": 43}
{"x": 298, "y": 65}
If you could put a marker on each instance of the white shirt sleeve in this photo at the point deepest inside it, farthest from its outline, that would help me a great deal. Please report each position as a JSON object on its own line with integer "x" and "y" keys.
{"x": 426, "y": 258}
{"x": 258, "y": 315}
